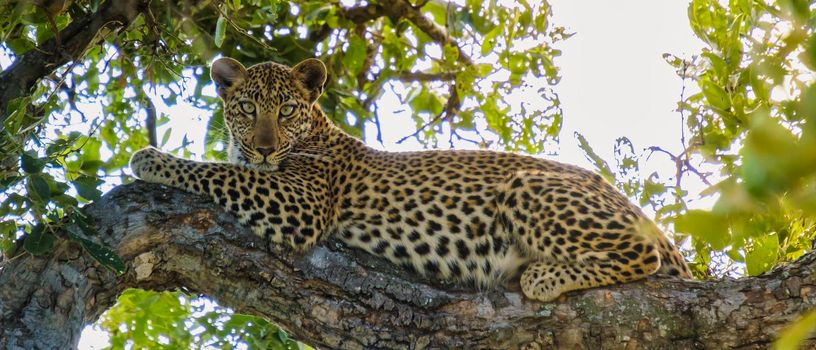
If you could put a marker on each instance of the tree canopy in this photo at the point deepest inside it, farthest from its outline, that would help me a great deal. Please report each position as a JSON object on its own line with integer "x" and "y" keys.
{"x": 79, "y": 96}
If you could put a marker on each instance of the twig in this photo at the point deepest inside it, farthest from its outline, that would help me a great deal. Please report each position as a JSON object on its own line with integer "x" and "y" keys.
{"x": 94, "y": 128}
{"x": 150, "y": 120}
{"x": 370, "y": 57}
{"x": 703, "y": 177}
{"x": 70, "y": 91}
{"x": 423, "y": 127}
{"x": 679, "y": 108}
{"x": 377, "y": 124}
{"x": 9, "y": 260}
{"x": 681, "y": 165}
{"x": 451, "y": 107}
{"x": 462, "y": 138}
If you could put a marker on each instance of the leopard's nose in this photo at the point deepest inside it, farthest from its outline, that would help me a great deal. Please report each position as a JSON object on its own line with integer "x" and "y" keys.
{"x": 265, "y": 151}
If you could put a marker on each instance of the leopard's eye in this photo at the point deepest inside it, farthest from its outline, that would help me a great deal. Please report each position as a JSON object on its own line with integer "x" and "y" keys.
{"x": 247, "y": 107}
{"x": 286, "y": 110}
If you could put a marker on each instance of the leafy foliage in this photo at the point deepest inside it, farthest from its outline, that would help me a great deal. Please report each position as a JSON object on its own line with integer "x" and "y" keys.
{"x": 754, "y": 119}
{"x": 74, "y": 134}
{"x": 456, "y": 67}
{"x": 751, "y": 126}
{"x": 172, "y": 320}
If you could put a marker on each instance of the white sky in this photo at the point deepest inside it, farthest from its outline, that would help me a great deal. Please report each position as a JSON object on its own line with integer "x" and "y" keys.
{"x": 615, "y": 83}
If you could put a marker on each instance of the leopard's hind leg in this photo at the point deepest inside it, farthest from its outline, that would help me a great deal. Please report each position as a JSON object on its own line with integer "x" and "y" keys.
{"x": 578, "y": 231}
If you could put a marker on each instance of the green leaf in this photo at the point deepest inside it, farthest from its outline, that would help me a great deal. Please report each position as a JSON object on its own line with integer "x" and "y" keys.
{"x": 165, "y": 137}
{"x": 717, "y": 63}
{"x": 489, "y": 41}
{"x": 7, "y": 237}
{"x": 20, "y": 45}
{"x": 426, "y": 101}
{"x": 91, "y": 166}
{"x": 9, "y": 181}
{"x": 771, "y": 159}
{"x": 32, "y": 165}
{"x": 65, "y": 201}
{"x": 220, "y": 31}
{"x": 601, "y": 165}
{"x": 16, "y": 111}
{"x": 450, "y": 52}
{"x": 355, "y": 55}
{"x": 38, "y": 242}
{"x": 793, "y": 335}
{"x": 39, "y": 188}
{"x": 706, "y": 226}
{"x": 281, "y": 334}
{"x": 715, "y": 95}
{"x": 758, "y": 85}
{"x": 101, "y": 254}
{"x": 60, "y": 145}
{"x": 86, "y": 186}
{"x": 763, "y": 254}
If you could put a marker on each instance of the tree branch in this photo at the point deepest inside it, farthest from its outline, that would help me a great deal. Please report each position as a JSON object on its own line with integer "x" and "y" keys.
{"x": 402, "y": 8}
{"x": 333, "y": 297}
{"x": 396, "y": 10}
{"x": 361, "y": 14}
{"x": 20, "y": 78}
{"x": 423, "y": 76}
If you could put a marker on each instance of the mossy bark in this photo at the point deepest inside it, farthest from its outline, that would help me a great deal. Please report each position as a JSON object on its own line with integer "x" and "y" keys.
{"x": 333, "y": 297}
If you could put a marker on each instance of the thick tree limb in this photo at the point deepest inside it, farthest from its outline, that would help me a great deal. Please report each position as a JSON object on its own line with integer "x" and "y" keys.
{"x": 19, "y": 78}
{"x": 335, "y": 298}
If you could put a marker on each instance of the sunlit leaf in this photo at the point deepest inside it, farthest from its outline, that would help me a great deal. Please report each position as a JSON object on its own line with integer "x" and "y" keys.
{"x": 706, "y": 226}
{"x": 716, "y": 95}
{"x": 763, "y": 254}
{"x": 797, "y": 332}
{"x": 220, "y": 31}
{"x": 355, "y": 55}
{"x": 597, "y": 161}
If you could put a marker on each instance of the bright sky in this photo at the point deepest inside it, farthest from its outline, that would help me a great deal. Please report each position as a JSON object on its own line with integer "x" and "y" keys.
{"x": 615, "y": 83}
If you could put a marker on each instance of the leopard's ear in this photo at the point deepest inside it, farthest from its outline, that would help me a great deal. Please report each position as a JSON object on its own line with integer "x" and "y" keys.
{"x": 311, "y": 73}
{"x": 226, "y": 72}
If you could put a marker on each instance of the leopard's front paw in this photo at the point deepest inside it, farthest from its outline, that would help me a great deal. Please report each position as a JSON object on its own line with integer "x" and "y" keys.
{"x": 147, "y": 163}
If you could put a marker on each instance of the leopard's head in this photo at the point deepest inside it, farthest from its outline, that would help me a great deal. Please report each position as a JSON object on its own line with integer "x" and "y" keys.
{"x": 267, "y": 108}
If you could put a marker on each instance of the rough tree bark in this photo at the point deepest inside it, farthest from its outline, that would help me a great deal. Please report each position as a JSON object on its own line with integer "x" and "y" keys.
{"x": 337, "y": 298}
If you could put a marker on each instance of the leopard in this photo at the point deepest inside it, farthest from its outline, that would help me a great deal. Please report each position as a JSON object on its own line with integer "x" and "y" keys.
{"x": 481, "y": 218}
